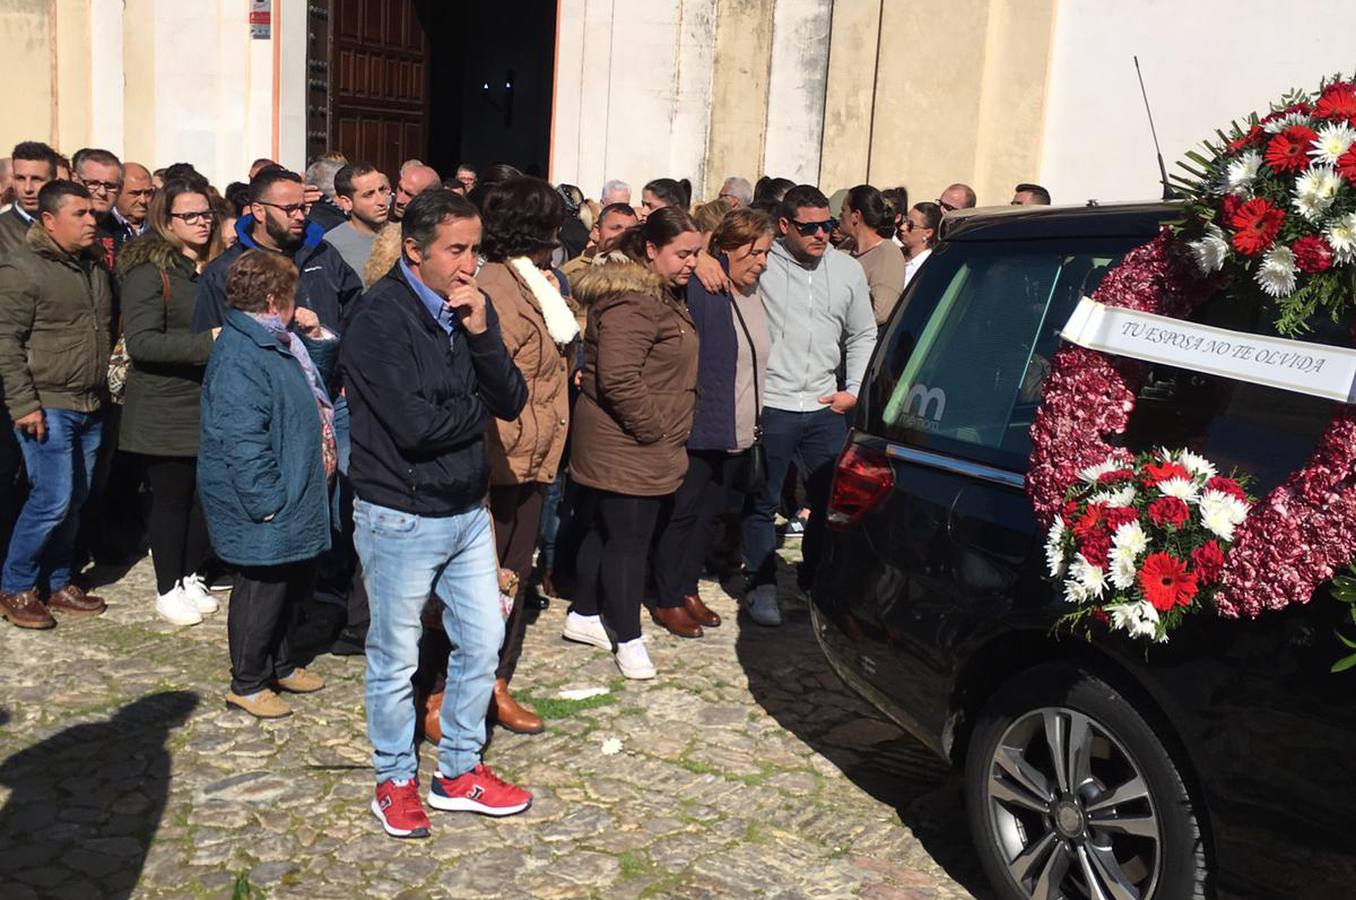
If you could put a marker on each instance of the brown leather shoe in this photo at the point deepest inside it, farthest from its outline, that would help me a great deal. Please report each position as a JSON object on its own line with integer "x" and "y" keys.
{"x": 698, "y": 612}
{"x": 25, "y": 610}
{"x": 73, "y": 601}
{"x": 301, "y": 682}
{"x": 677, "y": 621}
{"x": 263, "y": 705}
{"x": 512, "y": 714}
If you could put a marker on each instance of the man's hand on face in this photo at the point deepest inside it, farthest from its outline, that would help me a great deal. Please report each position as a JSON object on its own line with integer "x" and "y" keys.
{"x": 466, "y": 300}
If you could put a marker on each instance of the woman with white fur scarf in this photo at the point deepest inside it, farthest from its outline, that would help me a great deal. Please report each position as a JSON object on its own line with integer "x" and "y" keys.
{"x": 522, "y": 218}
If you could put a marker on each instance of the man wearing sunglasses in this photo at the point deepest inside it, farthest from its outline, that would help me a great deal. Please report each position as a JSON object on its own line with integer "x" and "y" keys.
{"x": 957, "y": 196}
{"x": 818, "y": 307}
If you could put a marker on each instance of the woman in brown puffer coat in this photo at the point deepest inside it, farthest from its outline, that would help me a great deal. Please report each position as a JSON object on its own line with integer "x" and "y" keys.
{"x": 632, "y": 421}
{"x": 521, "y": 218}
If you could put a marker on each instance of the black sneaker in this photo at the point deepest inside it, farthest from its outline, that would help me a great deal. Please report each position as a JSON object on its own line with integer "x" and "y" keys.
{"x": 352, "y": 641}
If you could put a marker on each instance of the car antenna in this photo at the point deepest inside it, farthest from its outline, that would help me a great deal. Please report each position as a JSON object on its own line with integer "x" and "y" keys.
{"x": 1168, "y": 192}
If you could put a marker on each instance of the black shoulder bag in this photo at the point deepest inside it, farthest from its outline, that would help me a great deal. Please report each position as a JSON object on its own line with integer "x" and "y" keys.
{"x": 750, "y": 473}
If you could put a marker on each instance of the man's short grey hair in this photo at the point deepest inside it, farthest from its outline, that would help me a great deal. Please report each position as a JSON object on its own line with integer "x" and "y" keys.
{"x": 738, "y": 187}
{"x": 96, "y": 155}
{"x": 409, "y": 164}
{"x": 321, "y": 174}
{"x": 612, "y": 186}
{"x": 430, "y": 209}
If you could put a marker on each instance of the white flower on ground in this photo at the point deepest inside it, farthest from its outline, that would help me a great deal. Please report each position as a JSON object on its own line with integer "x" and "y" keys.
{"x": 1138, "y": 619}
{"x": 611, "y": 746}
{"x": 1334, "y": 139}
{"x": 1238, "y": 178}
{"x": 582, "y": 693}
{"x": 1055, "y": 563}
{"x": 1180, "y": 488}
{"x": 1122, "y": 496}
{"x": 1211, "y": 250}
{"x": 1092, "y": 473}
{"x": 1341, "y": 235}
{"x": 1197, "y": 465}
{"x": 1221, "y": 513}
{"x": 1276, "y": 274}
{"x": 1286, "y": 121}
{"x": 1315, "y": 191}
{"x": 1089, "y": 577}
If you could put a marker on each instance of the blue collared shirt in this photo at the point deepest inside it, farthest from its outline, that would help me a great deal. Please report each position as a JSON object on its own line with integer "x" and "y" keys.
{"x": 21, "y": 213}
{"x": 436, "y": 305}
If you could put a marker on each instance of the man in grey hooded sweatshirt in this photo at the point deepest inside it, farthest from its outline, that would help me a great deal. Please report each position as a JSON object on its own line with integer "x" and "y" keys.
{"x": 819, "y": 316}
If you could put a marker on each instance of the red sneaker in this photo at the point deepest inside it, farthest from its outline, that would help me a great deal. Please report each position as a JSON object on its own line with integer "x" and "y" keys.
{"x": 479, "y": 791}
{"x": 397, "y": 806}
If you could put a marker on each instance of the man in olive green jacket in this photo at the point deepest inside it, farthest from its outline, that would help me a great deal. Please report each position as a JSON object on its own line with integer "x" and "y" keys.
{"x": 54, "y": 348}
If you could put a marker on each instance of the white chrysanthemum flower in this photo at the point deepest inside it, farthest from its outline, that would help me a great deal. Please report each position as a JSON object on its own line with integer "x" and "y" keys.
{"x": 1286, "y": 121}
{"x": 1091, "y": 578}
{"x": 1197, "y": 465}
{"x": 1315, "y": 191}
{"x": 1180, "y": 488}
{"x": 1341, "y": 235}
{"x": 1211, "y": 250}
{"x": 1241, "y": 173}
{"x": 1074, "y": 592}
{"x": 1055, "y": 562}
{"x": 1124, "y": 570}
{"x": 1276, "y": 274}
{"x": 1334, "y": 139}
{"x": 1130, "y": 537}
{"x": 1221, "y": 513}
{"x": 1138, "y": 619}
{"x": 1092, "y": 473}
{"x": 1114, "y": 499}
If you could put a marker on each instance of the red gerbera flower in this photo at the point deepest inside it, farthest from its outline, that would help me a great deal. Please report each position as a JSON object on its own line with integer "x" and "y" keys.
{"x": 1226, "y": 486}
{"x": 1256, "y": 224}
{"x": 1209, "y": 561}
{"x": 1154, "y": 473}
{"x": 1289, "y": 150}
{"x": 1168, "y": 511}
{"x": 1119, "y": 516}
{"x": 1166, "y": 582}
{"x": 1346, "y": 165}
{"x": 1251, "y": 138}
{"x": 1091, "y": 521}
{"x": 1312, "y": 254}
{"x": 1338, "y": 101}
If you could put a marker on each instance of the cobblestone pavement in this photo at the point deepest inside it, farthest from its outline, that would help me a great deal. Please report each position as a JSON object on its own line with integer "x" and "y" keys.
{"x": 744, "y": 769}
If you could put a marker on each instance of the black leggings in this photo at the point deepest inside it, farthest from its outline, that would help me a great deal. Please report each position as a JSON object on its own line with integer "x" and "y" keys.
{"x": 179, "y": 541}
{"x": 611, "y": 561}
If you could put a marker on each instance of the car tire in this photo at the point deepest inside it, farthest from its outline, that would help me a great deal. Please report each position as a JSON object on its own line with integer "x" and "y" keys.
{"x": 1118, "y": 808}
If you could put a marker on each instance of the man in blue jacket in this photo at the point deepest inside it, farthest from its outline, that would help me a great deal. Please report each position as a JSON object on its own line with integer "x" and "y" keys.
{"x": 425, "y": 368}
{"x": 276, "y": 222}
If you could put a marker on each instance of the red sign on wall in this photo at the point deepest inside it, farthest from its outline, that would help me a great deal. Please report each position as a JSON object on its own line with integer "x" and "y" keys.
{"x": 261, "y": 19}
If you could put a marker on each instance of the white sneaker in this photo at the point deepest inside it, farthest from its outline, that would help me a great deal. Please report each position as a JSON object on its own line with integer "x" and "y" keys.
{"x": 762, "y": 603}
{"x": 634, "y": 660}
{"x": 196, "y": 591}
{"x": 586, "y": 630}
{"x": 177, "y": 608}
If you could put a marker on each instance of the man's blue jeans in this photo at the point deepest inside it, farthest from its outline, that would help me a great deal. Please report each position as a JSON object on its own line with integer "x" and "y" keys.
{"x": 59, "y": 469}
{"x": 404, "y": 557}
{"x": 813, "y": 441}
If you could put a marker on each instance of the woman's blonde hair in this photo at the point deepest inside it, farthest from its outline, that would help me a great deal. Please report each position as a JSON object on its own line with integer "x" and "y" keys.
{"x": 162, "y": 205}
{"x": 708, "y": 216}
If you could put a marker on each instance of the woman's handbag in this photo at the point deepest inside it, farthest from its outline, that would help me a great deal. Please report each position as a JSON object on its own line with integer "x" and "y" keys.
{"x": 119, "y": 363}
{"x": 750, "y": 470}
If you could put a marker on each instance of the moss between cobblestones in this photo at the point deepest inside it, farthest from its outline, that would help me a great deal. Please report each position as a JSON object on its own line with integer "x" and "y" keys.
{"x": 556, "y": 708}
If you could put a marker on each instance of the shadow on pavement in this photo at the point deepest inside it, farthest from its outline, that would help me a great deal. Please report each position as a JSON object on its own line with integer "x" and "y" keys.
{"x": 86, "y": 803}
{"x": 790, "y": 679}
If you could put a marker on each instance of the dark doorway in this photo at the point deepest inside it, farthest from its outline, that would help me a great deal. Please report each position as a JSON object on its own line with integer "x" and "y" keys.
{"x": 492, "y": 70}
{"x": 445, "y": 82}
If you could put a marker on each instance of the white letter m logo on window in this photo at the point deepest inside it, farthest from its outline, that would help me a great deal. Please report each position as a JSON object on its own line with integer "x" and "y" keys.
{"x": 925, "y": 397}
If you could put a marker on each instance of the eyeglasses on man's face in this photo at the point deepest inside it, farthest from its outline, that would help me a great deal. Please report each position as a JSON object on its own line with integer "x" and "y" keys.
{"x": 288, "y": 209}
{"x": 805, "y": 229}
{"x": 102, "y": 187}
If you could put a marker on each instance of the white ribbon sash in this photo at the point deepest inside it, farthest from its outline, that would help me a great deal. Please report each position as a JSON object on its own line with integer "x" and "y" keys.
{"x": 1304, "y": 368}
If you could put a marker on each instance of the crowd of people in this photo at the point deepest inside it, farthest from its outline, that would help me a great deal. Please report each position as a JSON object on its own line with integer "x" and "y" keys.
{"x": 399, "y": 421}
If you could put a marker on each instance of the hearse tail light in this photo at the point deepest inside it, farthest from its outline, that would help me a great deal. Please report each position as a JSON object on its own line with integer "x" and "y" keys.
{"x": 861, "y": 480}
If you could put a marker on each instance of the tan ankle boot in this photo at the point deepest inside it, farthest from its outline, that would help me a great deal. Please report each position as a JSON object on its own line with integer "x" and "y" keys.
{"x": 511, "y": 714}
